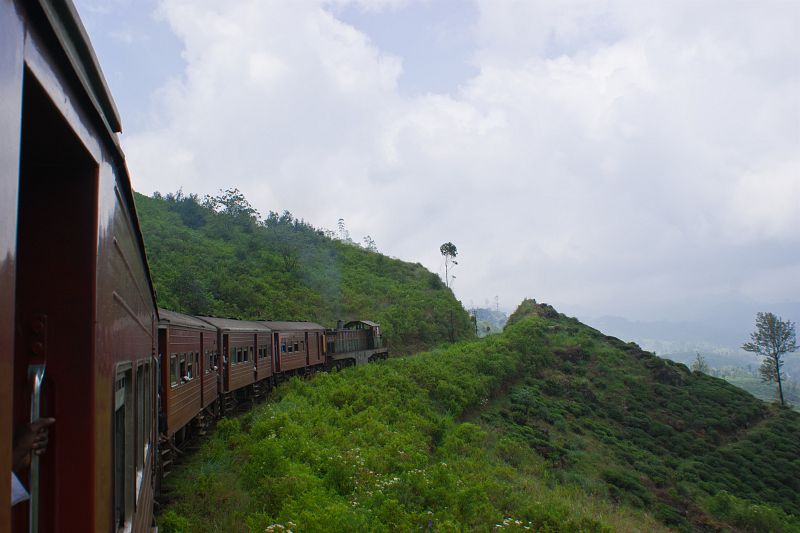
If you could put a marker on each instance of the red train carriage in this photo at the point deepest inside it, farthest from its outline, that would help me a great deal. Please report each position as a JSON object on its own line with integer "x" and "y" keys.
{"x": 298, "y": 346}
{"x": 246, "y": 357}
{"x": 190, "y": 373}
{"x": 76, "y": 301}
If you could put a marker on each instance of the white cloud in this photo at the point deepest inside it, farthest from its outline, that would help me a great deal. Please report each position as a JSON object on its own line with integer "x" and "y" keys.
{"x": 601, "y": 148}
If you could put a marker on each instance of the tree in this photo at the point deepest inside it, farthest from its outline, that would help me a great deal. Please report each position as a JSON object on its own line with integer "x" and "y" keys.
{"x": 344, "y": 235}
{"x": 772, "y": 339}
{"x": 700, "y": 364}
{"x": 369, "y": 244}
{"x": 449, "y": 251}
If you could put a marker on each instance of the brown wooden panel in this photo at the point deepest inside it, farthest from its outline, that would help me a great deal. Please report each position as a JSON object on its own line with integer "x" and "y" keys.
{"x": 184, "y": 402}
{"x": 292, "y": 361}
{"x": 315, "y": 356}
{"x": 241, "y": 375}
{"x": 210, "y": 387}
{"x": 264, "y": 365}
{"x": 144, "y": 503}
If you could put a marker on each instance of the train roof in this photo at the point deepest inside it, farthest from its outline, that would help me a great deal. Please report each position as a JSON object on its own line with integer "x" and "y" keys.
{"x": 74, "y": 41}
{"x": 231, "y": 324}
{"x": 59, "y": 19}
{"x": 167, "y": 317}
{"x": 288, "y": 325}
{"x": 369, "y": 323}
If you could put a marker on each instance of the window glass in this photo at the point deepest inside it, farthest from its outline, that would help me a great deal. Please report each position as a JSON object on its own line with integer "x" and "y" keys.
{"x": 296, "y": 346}
{"x": 123, "y": 446}
{"x": 183, "y": 365}
{"x": 283, "y": 346}
{"x": 190, "y": 365}
{"x": 140, "y": 425}
{"x": 148, "y": 411}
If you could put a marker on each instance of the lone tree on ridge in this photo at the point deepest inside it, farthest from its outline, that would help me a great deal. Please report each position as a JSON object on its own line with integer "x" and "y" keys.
{"x": 700, "y": 364}
{"x": 449, "y": 252}
{"x": 772, "y": 339}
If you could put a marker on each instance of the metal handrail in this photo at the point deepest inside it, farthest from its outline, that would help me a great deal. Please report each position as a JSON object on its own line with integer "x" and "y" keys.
{"x": 36, "y": 377}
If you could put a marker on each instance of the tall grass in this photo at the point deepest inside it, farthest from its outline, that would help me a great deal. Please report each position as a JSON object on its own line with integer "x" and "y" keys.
{"x": 550, "y": 426}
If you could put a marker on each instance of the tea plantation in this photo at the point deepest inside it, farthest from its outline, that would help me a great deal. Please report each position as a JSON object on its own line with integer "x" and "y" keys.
{"x": 550, "y": 426}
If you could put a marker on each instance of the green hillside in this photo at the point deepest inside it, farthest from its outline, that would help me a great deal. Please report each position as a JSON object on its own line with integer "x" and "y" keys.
{"x": 549, "y": 426}
{"x": 220, "y": 258}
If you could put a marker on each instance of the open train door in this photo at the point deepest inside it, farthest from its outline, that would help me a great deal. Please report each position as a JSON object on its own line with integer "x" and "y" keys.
{"x": 277, "y": 350}
{"x": 54, "y": 312}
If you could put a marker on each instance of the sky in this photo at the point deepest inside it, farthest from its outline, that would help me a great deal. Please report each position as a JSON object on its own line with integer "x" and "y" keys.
{"x": 629, "y": 158}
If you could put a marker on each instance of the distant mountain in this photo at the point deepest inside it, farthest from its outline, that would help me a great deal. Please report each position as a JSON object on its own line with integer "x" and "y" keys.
{"x": 719, "y": 338}
{"x": 489, "y": 320}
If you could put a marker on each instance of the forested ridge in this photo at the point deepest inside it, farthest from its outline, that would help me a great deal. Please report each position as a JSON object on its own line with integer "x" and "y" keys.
{"x": 549, "y": 426}
{"x": 219, "y": 257}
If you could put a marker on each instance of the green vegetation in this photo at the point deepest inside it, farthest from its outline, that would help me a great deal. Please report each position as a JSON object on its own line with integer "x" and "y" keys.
{"x": 218, "y": 258}
{"x": 550, "y": 426}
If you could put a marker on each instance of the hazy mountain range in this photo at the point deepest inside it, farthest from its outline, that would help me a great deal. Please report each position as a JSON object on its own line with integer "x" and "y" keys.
{"x": 719, "y": 338}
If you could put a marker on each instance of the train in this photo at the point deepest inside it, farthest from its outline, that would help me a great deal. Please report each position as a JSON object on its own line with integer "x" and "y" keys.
{"x": 81, "y": 337}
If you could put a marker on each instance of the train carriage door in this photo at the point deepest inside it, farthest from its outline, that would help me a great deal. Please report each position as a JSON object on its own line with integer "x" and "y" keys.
{"x": 55, "y": 311}
{"x": 254, "y": 356}
{"x": 226, "y": 362}
{"x": 277, "y": 351}
{"x": 164, "y": 377}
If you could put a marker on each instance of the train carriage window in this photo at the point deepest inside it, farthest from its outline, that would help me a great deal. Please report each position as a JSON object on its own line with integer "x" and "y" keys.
{"x": 140, "y": 426}
{"x": 148, "y": 411}
{"x": 182, "y": 361}
{"x": 190, "y": 366}
{"x": 123, "y": 447}
{"x": 302, "y": 346}
{"x": 250, "y": 354}
{"x": 296, "y": 346}
{"x": 283, "y": 346}
{"x": 174, "y": 374}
